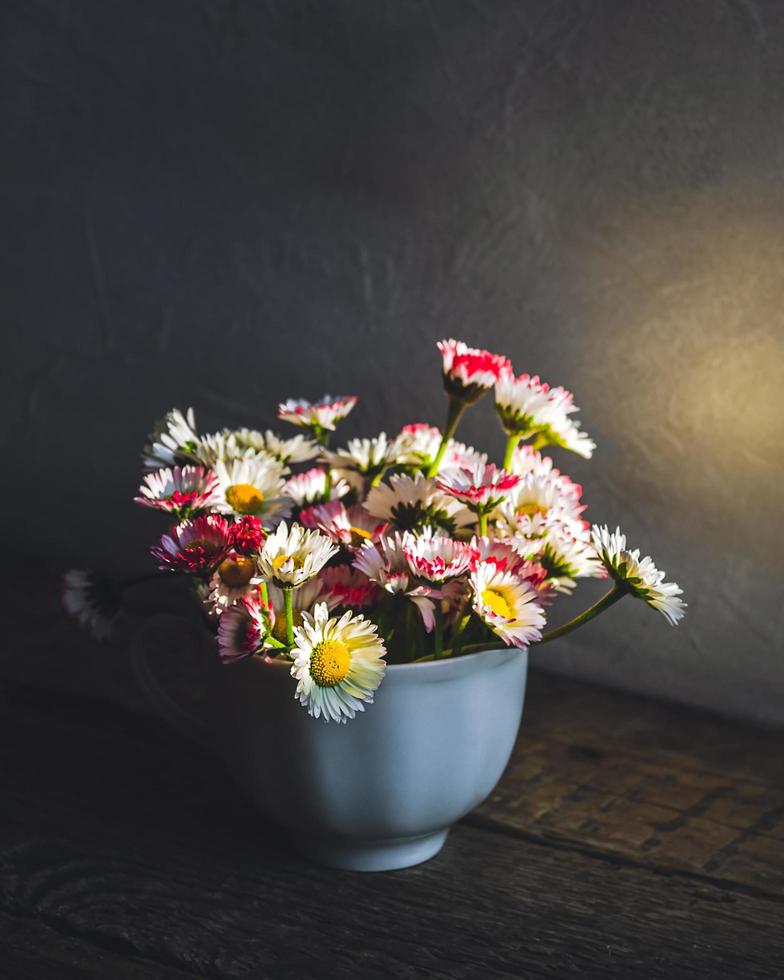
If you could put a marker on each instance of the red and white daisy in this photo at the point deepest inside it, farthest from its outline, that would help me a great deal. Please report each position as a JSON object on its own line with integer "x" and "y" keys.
{"x": 344, "y": 586}
{"x": 195, "y": 546}
{"x": 322, "y": 415}
{"x": 252, "y": 485}
{"x": 481, "y": 487}
{"x": 348, "y": 526}
{"x": 173, "y": 440}
{"x": 385, "y": 563}
{"x": 417, "y": 445}
{"x": 241, "y": 630}
{"x": 314, "y": 486}
{"x": 505, "y": 558}
{"x": 181, "y": 490}
{"x": 469, "y": 372}
{"x": 435, "y": 558}
{"x": 507, "y": 605}
{"x": 636, "y": 575}
{"x": 410, "y": 503}
{"x": 536, "y": 503}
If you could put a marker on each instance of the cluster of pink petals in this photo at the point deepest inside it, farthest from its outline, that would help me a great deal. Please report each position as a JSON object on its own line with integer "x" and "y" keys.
{"x": 247, "y": 535}
{"x": 181, "y": 488}
{"x": 348, "y": 526}
{"x": 436, "y": 558}
{"x": 470, "y": 366}
{"x": 480, "y": 486}
{"x": 194, "y": 546}
{"x": 345, "y": 586}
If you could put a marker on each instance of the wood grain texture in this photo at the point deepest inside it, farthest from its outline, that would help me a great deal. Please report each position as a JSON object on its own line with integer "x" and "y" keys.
{"x": 118, "y": 834}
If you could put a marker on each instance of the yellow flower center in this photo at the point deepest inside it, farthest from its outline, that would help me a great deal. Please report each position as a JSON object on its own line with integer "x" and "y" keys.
{"x": 358, "y": 535}
{"x": 329, "y": 663}
{"x": 244, "y": 498}
{"x": 236, "y": 572}
{"x": 495, "y": 601}
{"x": 280, "y": 561}
{"x": 531, "y": 509}
{"x": 279, "y": 628}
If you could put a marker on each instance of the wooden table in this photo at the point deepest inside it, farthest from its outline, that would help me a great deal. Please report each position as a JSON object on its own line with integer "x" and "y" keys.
{"x": 627, "y": 839}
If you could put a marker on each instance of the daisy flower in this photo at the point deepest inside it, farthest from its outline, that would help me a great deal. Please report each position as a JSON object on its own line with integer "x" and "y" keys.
{"x": 566, "y": 555}
{"x": 503, "y": 556}
{"x": 527, "y": 461}
{"x": 435, "y": 557}
{"x": 233, "y": 579}
{"x": 528, "y": 407}
{"x": 459, "y": 456}
{"x": 246, "y": 535}
{"x": 93, "y": 600}
{"x": 253, "y": 485}
{"x": 412, "y": 502}
{"x": 481, "y": 487}
{"x": 181, "y": 490}
{"x": 314, "y": 487}
{"x": 303, "y": 600}
{"x": 536, "y": 502}
{"x": 319, "y": 416}
{"x": 362, "y": 459}
{"x": 417, "y": 444}
{"x": 638, "y": 575}
{"x": 348, "y": 526}
{"x": 343, "y": 585}
{"x": 507, "y": 605}
{"x": 338, "y": 664}
{"x": 194, "y": 546}
{"x": 241, "y": 630}
{"x": 292, "y": 555}
{"x": 298, "y": 449}
{"x": 172, "y": 440}
{"x": 385, "y": 563}
{"x": 468, "y": 372}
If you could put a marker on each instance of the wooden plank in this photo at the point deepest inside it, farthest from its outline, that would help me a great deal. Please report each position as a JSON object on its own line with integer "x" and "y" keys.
{"x": 110, "y": 835}
{"x": 31, "y": 950}
{"x": 658, "y": 784}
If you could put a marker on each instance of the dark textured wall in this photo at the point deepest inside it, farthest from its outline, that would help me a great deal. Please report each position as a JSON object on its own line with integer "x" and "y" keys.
{"x": 227, "y": 203}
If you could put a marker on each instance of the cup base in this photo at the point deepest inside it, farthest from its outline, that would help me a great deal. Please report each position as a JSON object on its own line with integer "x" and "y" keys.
{"x": 385, "y": 854}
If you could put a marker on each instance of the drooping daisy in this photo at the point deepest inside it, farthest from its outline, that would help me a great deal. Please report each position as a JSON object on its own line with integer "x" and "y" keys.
{"x": 343, "y": 585}
{"x": 566, "y": 555}
{"x": 194, "y": 546}
{"x": 93, "y": 600}
{"x": 362, "y": 459}
{"x": 636, "y": 575}
{"x": 481, "y": 488}
{"x": 434, "y": 557}
{"x": 322, "y": 415}
{"x": 172, "y": 440}
{"x": 247, "y": 535}
{"x": 338, "y": 665}
{"x": 298, "y": 449}
{"x": 413, "y": 502}
{"x": 507, "y": 605}
{"x": 529, "y": 407}
{"x": 253, "y": 485}
{"x": 234, "y": 578}
{"x": 182, "y": 490}
{"x": 314, "y": 486}
{"x": 303, "y": 600}
{"x": 241, "y": 630}
{"x": 347, "y": 526}
{"x": 292, "y": 555}
{"x": 468, "y": 372}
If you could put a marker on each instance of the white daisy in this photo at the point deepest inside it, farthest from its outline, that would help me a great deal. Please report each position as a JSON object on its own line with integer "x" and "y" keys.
{"x": 435, "y": 557}
{"x": 507, "y": 605}
{"x": 362, "y": 459}
{"x": 292, "y": 555}
{"x": 314, "y": 486}
{"x": 338, "y": 664}
{"x": 638, "y": 575}
{"x": 529, "y": 407}
{"x": 172, "y": 440}
{"x": 348, "y": 526}
{"x": 413, "y": 502}
{"x": 181, "y": 490}
{"x": 468, "y": 372}
{"x": 253, "y": 485}
{"x": 536, "y": 502}
{"x": 417, "y": 444}
{"x": 298, "y": 449}
{"x": 321, "y": 415}
{"x": 93, "y": 600}
{"x": 566, "y": 555}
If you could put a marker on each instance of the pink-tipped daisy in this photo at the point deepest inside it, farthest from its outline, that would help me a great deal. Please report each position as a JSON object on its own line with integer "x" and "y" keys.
{"x": 182, "y": 490}
{"x": 314, "y": 486}
{"x": 410, "y": 503}
{"x": 435, "y": 558}
{"x": 241, "y": 630}
{"x": 536, "y": 503}
{"x": 469, "y": 372}
{"x": 322, "y": 415}
{"x": 636, "y": 575}
{"x": 195, "y": 546}
{"x": 347, "y": 526}
{"x": 507, "y": 605}
{"x": 385, "y": 563}
{"x": 347, "y": 587}
{"x": 480, "y": 488}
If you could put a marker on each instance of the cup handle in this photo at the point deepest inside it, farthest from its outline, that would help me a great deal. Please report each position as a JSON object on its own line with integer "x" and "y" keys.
{"x": 180, "y": 717}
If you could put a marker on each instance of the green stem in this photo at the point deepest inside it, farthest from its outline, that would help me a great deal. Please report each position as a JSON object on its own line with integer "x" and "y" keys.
{"x": 456, "y": 408}
{"x": 482, "y": 523}
{"x": 289, "y": 611}
{"x": 457, "y": 635}
{"x": 587, "y": 615}
{"x": 511, "y": 445}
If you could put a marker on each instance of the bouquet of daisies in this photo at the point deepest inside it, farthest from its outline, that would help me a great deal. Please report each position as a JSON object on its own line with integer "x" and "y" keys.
{"x": 337, "y": 561}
